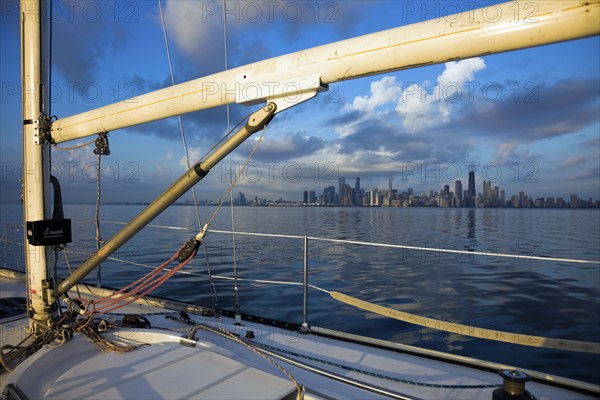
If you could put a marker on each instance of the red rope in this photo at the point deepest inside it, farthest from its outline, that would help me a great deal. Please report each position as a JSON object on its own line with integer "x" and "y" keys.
{"x": 138, "y": 289}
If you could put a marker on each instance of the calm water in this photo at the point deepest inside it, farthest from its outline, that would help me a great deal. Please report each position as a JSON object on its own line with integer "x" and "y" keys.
{"x": 544, "y": 298}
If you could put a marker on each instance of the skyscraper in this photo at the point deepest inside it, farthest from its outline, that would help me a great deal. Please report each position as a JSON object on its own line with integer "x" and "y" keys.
{"x": 471, "y": 190}
{"x": 487, "y": 192}
{"x": 341, "y": 184}
{"x": 458, "y": 192}
{"x": 356, "y": 200}
{"x": 329, "y": 195}
{"x": 573, "y": 203}
{"x": 241, "y": 199}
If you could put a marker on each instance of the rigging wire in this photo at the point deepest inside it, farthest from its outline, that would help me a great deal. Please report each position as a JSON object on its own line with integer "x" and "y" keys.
{"x": 183, "y": 138}
{"x": 50, "y": 58}
{"x": 236, "y": 296}
{"x": 213, "y": 288}
{"x": 70, "y": 269}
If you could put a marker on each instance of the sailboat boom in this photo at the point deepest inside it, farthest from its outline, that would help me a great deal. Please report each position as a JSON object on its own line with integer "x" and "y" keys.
{"x": 515, "y": 25}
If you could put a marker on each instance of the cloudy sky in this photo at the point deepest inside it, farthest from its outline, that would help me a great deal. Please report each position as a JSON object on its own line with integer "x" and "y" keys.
{"x": 526, "y": 120}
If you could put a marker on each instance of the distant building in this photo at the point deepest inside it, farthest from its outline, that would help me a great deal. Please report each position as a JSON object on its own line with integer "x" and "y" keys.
{"x": 341, "y": 184}
{"x": 374, "y": 199}
{"x": 241, "y": 199}
{"x": 573, "y": 202}
{"x": 471, "y": 190}
{"x": 329, "y": 195}
{"x": 514, "y": 201}
{"x": 458, "y": 192}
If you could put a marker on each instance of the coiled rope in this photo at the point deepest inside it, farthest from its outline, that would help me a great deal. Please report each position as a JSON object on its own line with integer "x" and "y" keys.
{"x": 56, "y": 335}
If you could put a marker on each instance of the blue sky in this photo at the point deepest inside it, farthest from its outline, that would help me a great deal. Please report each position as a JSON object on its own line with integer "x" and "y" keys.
{"x": 528, "y": 120}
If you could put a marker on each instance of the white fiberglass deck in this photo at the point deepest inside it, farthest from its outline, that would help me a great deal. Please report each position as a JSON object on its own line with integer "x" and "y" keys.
{"x": 219, "y": 368}
{"x": 163, "y": 370}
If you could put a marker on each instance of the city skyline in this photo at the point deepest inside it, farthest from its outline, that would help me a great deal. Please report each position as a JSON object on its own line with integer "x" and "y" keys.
{"x": 356, "y": 196}
{"x": 490, "y": 196}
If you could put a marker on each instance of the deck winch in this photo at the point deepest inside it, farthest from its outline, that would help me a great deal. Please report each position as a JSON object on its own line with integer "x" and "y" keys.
{"x": 513, "y": 386}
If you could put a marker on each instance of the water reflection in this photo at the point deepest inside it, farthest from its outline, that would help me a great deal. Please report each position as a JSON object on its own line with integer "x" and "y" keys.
{"x": 471, "y": 225}
{"x": 489, "y": 291}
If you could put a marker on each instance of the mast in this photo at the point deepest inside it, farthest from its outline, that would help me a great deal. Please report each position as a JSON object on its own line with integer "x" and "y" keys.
{"x": 36, "y": 159}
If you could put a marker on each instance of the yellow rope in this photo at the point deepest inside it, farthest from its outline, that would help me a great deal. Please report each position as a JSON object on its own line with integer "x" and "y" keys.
{"x": 473, "y": 331}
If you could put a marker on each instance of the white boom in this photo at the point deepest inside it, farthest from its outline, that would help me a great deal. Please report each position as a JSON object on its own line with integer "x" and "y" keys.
{"x": 478, "y": 32}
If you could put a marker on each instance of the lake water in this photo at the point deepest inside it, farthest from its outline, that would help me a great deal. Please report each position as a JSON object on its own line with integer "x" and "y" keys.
{"x": 526, "y": 297}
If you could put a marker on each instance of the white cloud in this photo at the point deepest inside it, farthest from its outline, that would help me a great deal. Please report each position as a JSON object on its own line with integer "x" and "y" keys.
{"x": 422, "y": 109}
{"x": 513, "y": 150}
{"x": 191, "y": 24}
{"x": 506, "y": 150}
{"x": 382, "y": 92}
{"x": 194, "y": 154}
{"x": 574, "y": 161}
{"x": 419, "y": 105}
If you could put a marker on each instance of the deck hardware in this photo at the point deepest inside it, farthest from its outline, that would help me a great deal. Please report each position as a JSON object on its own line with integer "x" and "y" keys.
{"x": 184, "y": 341}
{"x": 102, "y": 147}
{"x": 12, "y": 391}
{"x": 136, "y": 321}
{"x": 73, "y": 305}
{"x": 102, "y": 326}
{"x": 513, "y": 386}
{"x": 190, "y": 247}
{"x": 304, "y": 328}
{"x": 185, "y": 318}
